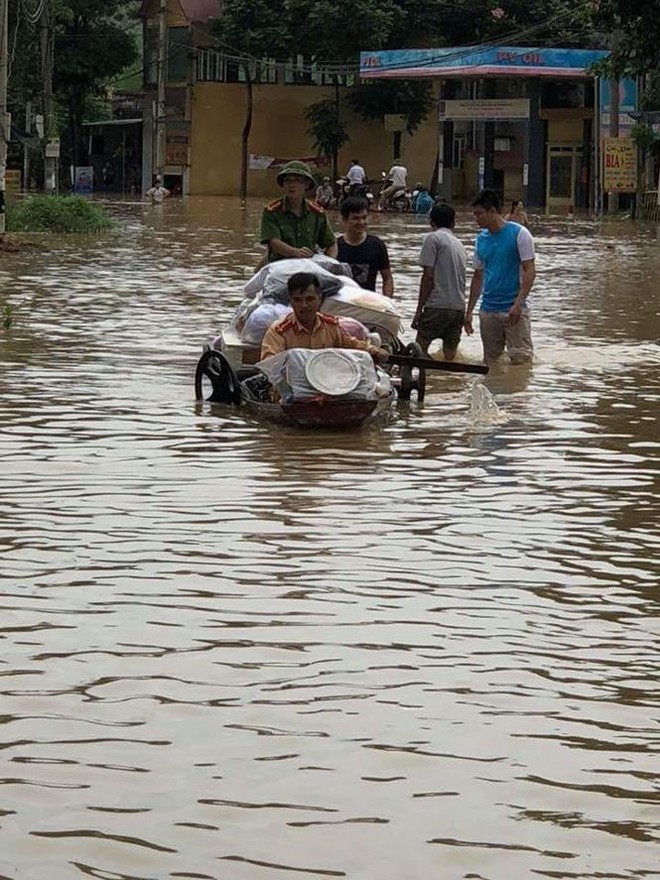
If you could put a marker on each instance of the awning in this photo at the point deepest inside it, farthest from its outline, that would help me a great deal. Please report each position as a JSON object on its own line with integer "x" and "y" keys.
{"x": 28, "y": 140}
{"x": 114, "y": 122}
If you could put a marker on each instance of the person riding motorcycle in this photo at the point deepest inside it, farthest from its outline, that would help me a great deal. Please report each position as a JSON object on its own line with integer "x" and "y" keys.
{"x": 397, "y": 181}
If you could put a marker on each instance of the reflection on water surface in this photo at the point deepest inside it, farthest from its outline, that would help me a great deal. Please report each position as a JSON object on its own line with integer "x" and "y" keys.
{"x": 239, "y": 651}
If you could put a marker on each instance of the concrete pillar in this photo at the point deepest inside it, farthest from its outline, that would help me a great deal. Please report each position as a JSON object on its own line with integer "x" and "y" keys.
{"x": 536, "y": 147}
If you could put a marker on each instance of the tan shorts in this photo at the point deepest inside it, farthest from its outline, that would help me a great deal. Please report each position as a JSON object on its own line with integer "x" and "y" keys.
{"x": 497, "y": 334}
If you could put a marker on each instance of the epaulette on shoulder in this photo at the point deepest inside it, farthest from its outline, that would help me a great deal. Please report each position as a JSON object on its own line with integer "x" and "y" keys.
{"x": 328, "y": 319}
{"x": 314, "y": 206}
{"x": 274, "y": 206}
{"x": 283, "y": 324}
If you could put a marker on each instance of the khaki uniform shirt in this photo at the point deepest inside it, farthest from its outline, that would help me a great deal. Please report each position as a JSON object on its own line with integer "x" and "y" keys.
{"x": 288, "y": 333}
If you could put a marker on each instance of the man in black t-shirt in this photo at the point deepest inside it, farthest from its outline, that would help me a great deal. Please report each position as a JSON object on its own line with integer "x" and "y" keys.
{"x": 365, "y": 254}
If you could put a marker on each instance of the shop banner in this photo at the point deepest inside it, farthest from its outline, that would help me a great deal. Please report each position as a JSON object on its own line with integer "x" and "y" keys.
{"x": 261, "y": 163}
{"x": 83, "y": 180}
{"x": 619, "y": 165}
{"x": 627, "y": 103}
{"x": 514, "y": 108}
{"x": 12, "y": 183}
{"x": 468, "y": 61}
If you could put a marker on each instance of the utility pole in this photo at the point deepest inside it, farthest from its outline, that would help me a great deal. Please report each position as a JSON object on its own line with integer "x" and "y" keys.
{"x": 161, "y": 112}
{"x": 613, "y": 197}
{"x": 4, "y": 116}
{"x": 51, "y": 145}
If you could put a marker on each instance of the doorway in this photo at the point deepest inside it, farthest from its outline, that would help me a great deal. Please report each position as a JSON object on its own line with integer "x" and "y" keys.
{"x": 564, "y": 161}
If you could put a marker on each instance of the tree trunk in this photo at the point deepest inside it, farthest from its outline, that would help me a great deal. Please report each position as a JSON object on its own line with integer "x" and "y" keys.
{"x": 335, "y": 151}
{"x": 245, "y": 137}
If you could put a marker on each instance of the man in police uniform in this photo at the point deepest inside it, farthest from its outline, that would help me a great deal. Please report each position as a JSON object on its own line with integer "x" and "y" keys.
{"x": 308, "y": 327}
{"x": 293, "y": 226}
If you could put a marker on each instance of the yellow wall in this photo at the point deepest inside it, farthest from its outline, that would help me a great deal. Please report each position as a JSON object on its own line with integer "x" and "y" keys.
{"x": 565, "y": 131}
{"x": 279, "y": 129}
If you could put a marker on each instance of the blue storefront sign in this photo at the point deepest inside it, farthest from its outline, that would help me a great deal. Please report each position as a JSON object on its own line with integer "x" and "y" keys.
{"x": 83, "y": 180}
{"x": 627, "y": 103}
{"x": 498, "y": 61}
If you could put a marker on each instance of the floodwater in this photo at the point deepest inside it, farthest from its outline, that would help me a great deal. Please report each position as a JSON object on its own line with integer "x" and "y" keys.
{"x": 233, "y": 650}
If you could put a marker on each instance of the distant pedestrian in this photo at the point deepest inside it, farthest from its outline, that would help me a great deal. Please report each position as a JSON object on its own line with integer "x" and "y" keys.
{"x": 422, "y": 201}
{"x": 517, "y": 213}
{"x": 158, "y": 193}
{"x": 325, "y": 194}
{"x": 504, "y": 272}
{"x": 441, "y": 303}
{"x": 356, "y": 175}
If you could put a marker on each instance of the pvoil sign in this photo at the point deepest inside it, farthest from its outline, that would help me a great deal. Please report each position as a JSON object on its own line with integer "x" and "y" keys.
{"x": 467, "y": 61}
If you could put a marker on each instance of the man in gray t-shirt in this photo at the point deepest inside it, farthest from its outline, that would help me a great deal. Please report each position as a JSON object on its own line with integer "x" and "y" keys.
{"x": 441, "y": 304}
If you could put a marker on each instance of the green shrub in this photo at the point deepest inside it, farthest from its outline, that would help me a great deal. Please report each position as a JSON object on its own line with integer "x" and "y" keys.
{"x": 57, "y": 214}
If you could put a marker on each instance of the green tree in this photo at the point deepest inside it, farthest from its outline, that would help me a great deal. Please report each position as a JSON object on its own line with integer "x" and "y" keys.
{"x": 91, "y": 47}
{"x": 261, "y": 29}
{"x": 633, "y": 35}
{"x": 411, "y": 98}
{"x": 335, "y": 33}
{"x": 327, "y": 128}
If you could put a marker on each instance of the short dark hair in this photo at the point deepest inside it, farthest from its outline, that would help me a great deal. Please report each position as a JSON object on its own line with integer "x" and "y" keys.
{"x": 303, "y": 280}
{"x": 487, "y": 199}
{"x": 353, "y": 205}
{"x": 443, "y": 216}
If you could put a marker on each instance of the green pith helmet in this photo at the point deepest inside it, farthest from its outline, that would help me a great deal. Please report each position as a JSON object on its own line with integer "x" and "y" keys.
{"x": 299, "y": 168}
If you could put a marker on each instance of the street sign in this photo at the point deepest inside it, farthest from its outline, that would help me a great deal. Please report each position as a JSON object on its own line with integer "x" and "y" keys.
{"x": 484, "y": 109}
{"x": 12, "y": 182}
{"x": 395, "y": 121}
{"x": 53, "y": 149}
{"x": 620, "y": 165}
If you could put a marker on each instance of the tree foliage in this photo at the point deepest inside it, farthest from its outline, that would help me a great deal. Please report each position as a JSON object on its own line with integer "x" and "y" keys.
{"x": 91, "y": 45}
{"x": 327, "y": 128}
{"x": 411, "y": 97}
{"x": 255, "y": 28}
{"x": 339, "y": 31}
{"x": 633, "y": 35}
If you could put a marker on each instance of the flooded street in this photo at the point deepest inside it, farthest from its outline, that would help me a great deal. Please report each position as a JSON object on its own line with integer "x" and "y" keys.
{"x": 245, "y": 652}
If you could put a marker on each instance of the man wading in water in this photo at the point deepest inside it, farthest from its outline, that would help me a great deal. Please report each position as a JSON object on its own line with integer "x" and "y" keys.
{"x": 504, "y": 272}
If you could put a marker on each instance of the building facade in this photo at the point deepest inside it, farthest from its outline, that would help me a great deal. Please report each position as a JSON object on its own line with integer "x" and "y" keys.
{"x": 519, "y": 120}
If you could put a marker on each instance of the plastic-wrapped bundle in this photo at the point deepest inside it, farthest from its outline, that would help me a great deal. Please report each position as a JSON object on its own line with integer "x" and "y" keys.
{"x": 272, "y": 277}
{"x": 259, "y": 320}
{"x": 353, "y": 328}
{"x": 370, "y": 308}
{"x": 290, "y": 374}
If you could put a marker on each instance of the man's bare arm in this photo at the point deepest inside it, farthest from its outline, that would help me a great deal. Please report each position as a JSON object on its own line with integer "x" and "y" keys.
{"x": 476, "y": 286}
{"x": 388, "y": 282}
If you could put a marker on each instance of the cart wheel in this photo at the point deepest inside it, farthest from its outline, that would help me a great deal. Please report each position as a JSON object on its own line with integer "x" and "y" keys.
{"x": 215, "y": 367}
{"x": 412, "y": 382}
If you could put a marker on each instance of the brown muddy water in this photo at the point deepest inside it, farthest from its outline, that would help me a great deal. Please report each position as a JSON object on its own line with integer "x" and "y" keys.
{"x": 232, "y": 650}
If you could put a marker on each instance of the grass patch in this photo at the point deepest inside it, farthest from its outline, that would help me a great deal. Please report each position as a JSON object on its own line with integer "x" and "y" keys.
{"x": 57, "y": 214}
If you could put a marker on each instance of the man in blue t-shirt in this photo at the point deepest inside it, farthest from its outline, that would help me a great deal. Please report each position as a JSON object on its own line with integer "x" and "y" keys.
{"x": 504, "y": 273}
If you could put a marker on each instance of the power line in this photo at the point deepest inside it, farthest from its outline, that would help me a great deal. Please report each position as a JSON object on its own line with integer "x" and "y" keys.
{"x": 331, "y": 67}
{"x": 232, "y": 55}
